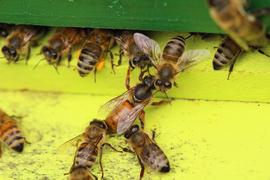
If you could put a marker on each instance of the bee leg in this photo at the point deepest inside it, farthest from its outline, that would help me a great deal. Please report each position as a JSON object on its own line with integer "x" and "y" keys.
{"x": 58, "y": 60}
{"x": 128, "y": 78}
{"x": 127, "y": 150}
{"x": 27, "y": 142}
{"x": 121, "y": 53}
{"x": 141, "y": 118}
{"x": 95, "y": 75}
{"x": 142, "y": 74}
{"x": 0, "y": 150}
{"x": 262, "y": 52}
{"x": 96, "y": 178}
{"x": 175, "y": 84}
{"x": 232, "y": 65}
{"x": 112, "y": 63}
{"x": 190, "y": 35}
{"x": 69, "y": 56}
{"x": 100, "y": 156}
{"x": 109, "y": 145}
{"x": 153, "y": 135}
{"x": 100, "y": 161}
{"x": 162, "y": 102}
{"x": 142, "y": 168}
{"x": 28, "y": 51}
{"x": 17, "y": 117}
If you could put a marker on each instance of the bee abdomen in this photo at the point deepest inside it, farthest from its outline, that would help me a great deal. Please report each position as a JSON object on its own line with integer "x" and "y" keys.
{"x": 225, "y": 54}
{"x": 12, "y": 136}
{"x": 86, "y": 156}
{"x": 155, "y": 158}
{"x": 174, "y": 49}
{"x": 87, "y": 61}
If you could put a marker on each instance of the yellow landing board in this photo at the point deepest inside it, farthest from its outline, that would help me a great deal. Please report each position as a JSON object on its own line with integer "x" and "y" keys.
{"x": 206, "y": 140}
{"x": 249, "y": 81}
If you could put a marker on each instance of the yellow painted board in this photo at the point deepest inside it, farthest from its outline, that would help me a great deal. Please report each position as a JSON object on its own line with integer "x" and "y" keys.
{"x": 249, "y": 81}
{"x": 204, "y": 140}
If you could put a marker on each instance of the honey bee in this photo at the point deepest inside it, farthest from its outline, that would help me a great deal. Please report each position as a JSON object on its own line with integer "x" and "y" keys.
{"x": 173, "y": 60}
{"x": 125, "y": 108}
{"x": 93, "y": 141}
{"x": 136, "y": 57}
{"x": 5, "y": 29}
{"x": 226, "y": 54}
{"x": 63, "y": 42}
{"x": 10, "y": 134}
{"x": 148, "y": 152}
{"x": 94, "y": 50}
{"x": 242, "y": 27}
{"x": 20, "y": 40}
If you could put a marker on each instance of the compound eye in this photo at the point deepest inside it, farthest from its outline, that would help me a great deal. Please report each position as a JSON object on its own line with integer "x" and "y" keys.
{"x": 148, "y": 80}
{"x": 103, "y": 126}
{"x": 131, "y": 131}
{"x": 12, "y": 52}
{"x": 136, "y": 60}
{"x": 54, "y": 55}
{"x": 46, "y": 51}
{"x": 4, "y": 33}
{"x": 135, "y": 128}
{"x": 5, "y": 50}
{"x": 168, "y": 84}
{"x": 158, "y": 82}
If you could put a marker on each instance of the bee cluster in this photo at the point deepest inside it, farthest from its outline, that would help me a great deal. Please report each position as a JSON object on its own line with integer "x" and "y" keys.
{"x": 245, "y": 32}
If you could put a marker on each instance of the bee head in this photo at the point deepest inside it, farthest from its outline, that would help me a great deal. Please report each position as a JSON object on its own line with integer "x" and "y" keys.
{"x": 10, "y": 53}
{"x": 99, "y": 123}
{"x": 4, "y": 33}
{"x": 163, "y": 85}
{"x": 131, "y": 131}
{"x": 50, "y": 54}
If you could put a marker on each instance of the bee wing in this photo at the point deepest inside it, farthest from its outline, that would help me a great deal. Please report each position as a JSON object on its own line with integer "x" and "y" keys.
{"x": 121, "y": 43}
{"x": 115, "y": 102}
{"x": 148, "y": 46}
{"x": 28, "y": 36}
{"x": 192, "y": 57}
{"x": 125, "y": 122}
{"x": 118, "y": 40}
{"x": 69, "y": 145}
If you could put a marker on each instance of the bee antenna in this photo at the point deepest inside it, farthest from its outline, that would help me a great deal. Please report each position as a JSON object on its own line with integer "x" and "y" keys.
{"x": 231, "y": 69}
{"x": 56, "y": 69}
{"x": 38, "y": 63}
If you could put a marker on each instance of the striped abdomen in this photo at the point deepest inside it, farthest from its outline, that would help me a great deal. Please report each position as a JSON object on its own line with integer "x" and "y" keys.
{"x": 11, "y": 135}
{"x": 86, "y": 156}
{"x": 155, "y": 158}
{"x": 174, "y": 49}
{"x": 89, "y": 57}
{"x": 226, "y": 53}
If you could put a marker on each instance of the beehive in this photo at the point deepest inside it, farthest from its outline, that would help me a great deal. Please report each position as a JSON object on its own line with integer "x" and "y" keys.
{"x": 214, "y": 129}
